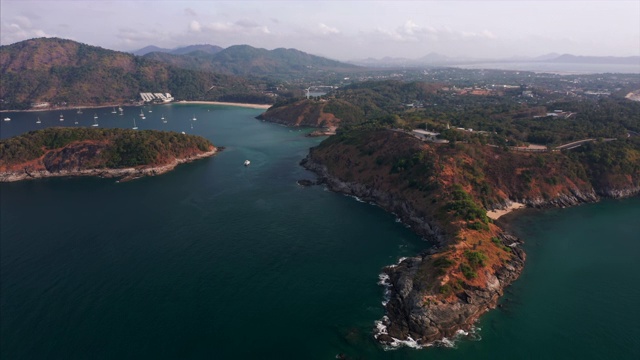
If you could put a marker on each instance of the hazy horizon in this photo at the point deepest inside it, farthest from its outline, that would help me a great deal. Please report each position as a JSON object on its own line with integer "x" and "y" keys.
{"x": 344, "y": 31}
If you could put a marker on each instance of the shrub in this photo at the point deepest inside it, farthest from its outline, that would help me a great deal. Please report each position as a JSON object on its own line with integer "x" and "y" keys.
{"x": 468, "y": 271}
{"x": 476, "y": 258}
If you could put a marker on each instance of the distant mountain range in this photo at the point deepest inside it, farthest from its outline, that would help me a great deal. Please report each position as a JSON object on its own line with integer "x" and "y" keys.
{"x": 245, "y": 60}
{"x": 435, "y": 59}
{"x": 208, "y": 49}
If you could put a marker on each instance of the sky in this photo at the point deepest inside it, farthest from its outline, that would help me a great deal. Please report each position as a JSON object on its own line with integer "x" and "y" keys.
{"x": 342, "y": 30}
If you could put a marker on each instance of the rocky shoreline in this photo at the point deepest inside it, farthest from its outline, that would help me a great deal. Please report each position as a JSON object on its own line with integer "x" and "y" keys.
{"x": 412, "y": 320}
{"x": 124, "y": 174}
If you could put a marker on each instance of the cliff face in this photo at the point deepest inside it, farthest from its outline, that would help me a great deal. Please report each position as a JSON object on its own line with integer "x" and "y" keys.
{"x": 112, "y": 153}
{"x": 442, "y": 192}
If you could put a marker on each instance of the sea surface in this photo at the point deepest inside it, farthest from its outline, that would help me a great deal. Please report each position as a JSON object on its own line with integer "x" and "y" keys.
{"x": 557, "y": 68}
{"x": 215, "y": 260}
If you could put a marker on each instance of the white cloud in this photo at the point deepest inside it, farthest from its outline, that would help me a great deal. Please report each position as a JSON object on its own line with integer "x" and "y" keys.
{"x": 195, "y": 26}
{"x": 324, "y": 29}
{"x": 20, "y": 28}
{"x": 412, "y": 32}
{"x": 240, "y": 27}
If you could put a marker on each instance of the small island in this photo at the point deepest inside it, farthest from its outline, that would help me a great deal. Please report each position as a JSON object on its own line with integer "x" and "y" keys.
{"x": 109, "y": 153}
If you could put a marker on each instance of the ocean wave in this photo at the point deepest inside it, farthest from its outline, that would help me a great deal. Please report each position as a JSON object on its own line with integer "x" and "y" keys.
{"x": 381, "y": 328}
{"x": 381, "y": 325}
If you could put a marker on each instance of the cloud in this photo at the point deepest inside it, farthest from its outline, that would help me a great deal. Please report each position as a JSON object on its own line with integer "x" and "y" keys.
{"x": 20, "y": 28}
{"x": 195, "y": 26}
{"x": 324, "y": 29}
{"x": 135, "y": 37}
{"x": 240, "y": 27}
{"x": 412, "y": 32}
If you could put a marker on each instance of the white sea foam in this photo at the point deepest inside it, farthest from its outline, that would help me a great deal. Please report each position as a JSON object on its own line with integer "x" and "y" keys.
{"x": 381, "y": 328}
{"x": 385, "y": 281}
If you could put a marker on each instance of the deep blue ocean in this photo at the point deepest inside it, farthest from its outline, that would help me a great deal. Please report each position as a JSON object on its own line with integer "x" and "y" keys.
{"x": 216, "y": 260}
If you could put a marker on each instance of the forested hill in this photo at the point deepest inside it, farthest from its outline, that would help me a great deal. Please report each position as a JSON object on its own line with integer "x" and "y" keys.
{"x": 62, "y": 71}
{"x": 246, "y": 60}
{"x": 101, "y": 152}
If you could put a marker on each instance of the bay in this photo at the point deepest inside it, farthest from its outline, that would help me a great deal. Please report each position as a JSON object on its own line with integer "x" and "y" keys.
{"x": 218, "y": 260}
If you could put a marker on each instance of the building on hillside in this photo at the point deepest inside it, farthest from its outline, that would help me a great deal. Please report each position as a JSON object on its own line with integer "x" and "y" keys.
{"x": 156, "y": 97}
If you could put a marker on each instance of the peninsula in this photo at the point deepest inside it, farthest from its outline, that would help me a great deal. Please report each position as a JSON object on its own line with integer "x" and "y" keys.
{"x": 110, "y": 153}
{"x": 450, "y": 156}
{"x": 443, "y": 191}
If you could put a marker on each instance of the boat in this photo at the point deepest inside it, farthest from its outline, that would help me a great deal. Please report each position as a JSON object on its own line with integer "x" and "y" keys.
{"x": 135, "y": 127}
{"x": 120, "y": 108}
{"x": 247, "y": 162}
{"x": 7, "y": 119}
{"x": 163, "y": 119}
{"x": 61, "y": 117}
{"x": 113, "y": 111}
{"x": 191, "y": 126}
{"x": 142, "y": 114}
{"x": 184, "y": 133}
{"x": 38, "y": 122}
{"x": 95, "y": 122}
{"x": 79, "y": 111}
{"x": 194, "y": 118}
{"x": 150, "y": 110}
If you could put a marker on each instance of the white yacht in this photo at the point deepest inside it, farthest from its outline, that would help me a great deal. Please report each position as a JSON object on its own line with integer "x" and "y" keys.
{"x": 135, "y": 127}
{"x": 163, "y": 119}
{"x": 247, "y": 162}
{"x": 38, "y": 122}
{"x": 7, "y": 119}
{"x": 61, "y": 117}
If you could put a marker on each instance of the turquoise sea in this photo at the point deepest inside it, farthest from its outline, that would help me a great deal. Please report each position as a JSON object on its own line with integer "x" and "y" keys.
{"x": 220, "y": 261}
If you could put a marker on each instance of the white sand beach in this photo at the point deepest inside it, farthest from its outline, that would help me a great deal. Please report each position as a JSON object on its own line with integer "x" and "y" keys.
{"x": 495, "y": 214}
{"x": 253, "y": 106}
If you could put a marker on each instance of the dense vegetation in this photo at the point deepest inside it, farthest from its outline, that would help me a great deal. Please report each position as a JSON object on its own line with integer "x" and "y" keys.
{"x": 505, "y": 116}
{"x": 124, "y": 148}
{"x": 63, "y": 72}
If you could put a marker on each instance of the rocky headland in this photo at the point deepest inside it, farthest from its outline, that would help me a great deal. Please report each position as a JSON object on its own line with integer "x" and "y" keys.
{"x": 443, "y": 192}
{"x": 107, "y": 153}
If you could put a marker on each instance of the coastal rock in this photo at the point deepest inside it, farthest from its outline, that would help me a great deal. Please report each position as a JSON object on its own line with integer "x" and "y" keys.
{"x": 396, "y": 206}
{"x": 305, "y": 182}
